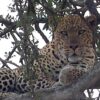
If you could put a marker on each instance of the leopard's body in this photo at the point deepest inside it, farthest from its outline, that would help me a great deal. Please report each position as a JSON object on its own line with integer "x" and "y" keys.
{"x": 72, "y": 45}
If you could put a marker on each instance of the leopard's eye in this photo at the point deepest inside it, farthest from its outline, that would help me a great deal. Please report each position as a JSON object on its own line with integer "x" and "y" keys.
{"x": 64, "y": 33}
{"x": 81, "y": 32}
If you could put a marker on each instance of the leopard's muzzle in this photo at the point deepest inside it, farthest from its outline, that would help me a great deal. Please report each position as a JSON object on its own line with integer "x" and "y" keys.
{"x": 74, "y": 59}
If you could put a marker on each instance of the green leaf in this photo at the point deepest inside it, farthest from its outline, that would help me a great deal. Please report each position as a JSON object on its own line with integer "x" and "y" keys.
{"x": 50, "y": 2}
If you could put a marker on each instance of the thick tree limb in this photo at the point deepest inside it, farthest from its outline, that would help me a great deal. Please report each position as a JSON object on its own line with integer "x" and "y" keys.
{"x": 72, "y": 92}
{"x": 89, "y": 80}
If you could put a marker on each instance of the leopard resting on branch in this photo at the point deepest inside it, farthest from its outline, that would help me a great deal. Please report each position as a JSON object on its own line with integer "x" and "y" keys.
{"x": 67, "y": 57}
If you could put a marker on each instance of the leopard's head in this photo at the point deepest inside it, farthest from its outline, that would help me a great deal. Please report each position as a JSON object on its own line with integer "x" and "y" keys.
{"x": 74, "y": 36}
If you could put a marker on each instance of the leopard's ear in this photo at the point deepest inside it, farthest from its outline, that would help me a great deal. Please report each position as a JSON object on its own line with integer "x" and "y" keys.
{"x": 91, "y": 20}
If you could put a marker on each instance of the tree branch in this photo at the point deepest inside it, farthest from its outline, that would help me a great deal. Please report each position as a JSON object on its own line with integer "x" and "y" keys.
{"x": 10, "y": 54}
{"x": 71, "y": 92}
{"x": 41, "y": 33}
{"x": 92, "y": 8}
{"x": 6, "y": 22}
{"x": 4, "y": 63}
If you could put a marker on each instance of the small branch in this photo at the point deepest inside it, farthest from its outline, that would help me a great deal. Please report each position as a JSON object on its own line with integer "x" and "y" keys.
{"x": 76, "y": 10}
{"x": 4, "y": 63}
{"x": 6, "y": 22}
{"x": 6, "y": 30}
{"x": 47, "y": 8}
{"x": 9, "y": 26}
{"x": 39, "y": 20}
{"x": 91, "y": 7}
{"x": 10, "y": 62}
{"x": 11, "y": 53}
{"x": 31, "y": 7}
{"x": 41, "y": 33}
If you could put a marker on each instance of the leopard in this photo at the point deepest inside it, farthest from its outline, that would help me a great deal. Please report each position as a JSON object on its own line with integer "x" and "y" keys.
{"x": 69, "y": 55}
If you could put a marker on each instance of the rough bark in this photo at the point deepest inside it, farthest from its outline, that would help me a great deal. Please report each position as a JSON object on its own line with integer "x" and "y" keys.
{"x": 72, "y": 92}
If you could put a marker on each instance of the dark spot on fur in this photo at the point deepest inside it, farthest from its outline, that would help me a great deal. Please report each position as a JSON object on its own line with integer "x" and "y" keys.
{"x": 57, "y": 80}
{"x": 5, "y": 83}
{"x": 53, "y": 46}
{"x": 1, "y": 73}
{"x": 57, "y": 72}
{"x": 19, "y": 88}
{"x": 48, "y": 50}
{"x": 53, "y": 68}
{"x": 49, "y": 70}
{"x": 10, "y": 76}
{"x": 0, "y": 86}
{"x": 3, "y": 78}
{"x": 33, "y": 86}
{"x": 39, "y": 84}
{"x": 60, "y": 66}
{"x": 23, "y": 86}
{"x": 62, "y": 62}
{"x": 43, "y": 82}
{"x": 37, "y": 87}
{"x": 39, "y": 79}
{"x": 43, "y": 86}
{"x": 47, "y": 84}
{"x": 6, "y": 77}
{"x": 10, "y": 89}
{"x": 83, "y": 66}
{"x": 10, "y": 81}
{"x": 4, "y": 89}
{"x": 24, "y": 81}
{"x": 48, "y": 66}
{"x": 43, "y": 65}
{"x": 20, "y": 80}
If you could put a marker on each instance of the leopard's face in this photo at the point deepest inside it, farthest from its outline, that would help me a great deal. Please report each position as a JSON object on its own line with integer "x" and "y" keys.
{"x": 75, "y": 37}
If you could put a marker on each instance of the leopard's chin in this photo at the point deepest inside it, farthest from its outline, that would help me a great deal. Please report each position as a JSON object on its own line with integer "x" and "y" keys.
{"x": 74, "y": 59}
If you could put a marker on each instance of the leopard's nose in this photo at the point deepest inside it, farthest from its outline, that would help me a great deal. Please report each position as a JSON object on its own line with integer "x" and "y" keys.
{"x": 74, "y": 46}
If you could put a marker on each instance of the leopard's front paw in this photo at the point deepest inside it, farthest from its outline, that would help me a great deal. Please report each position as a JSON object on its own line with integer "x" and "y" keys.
{"x": 70, "y": 73}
